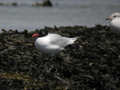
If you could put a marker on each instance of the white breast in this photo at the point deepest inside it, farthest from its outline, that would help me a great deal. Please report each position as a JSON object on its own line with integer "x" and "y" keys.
{"x": 115, "y": 24}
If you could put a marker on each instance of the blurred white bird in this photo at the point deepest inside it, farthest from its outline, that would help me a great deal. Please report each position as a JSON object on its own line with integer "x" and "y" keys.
{"x": 52, "y": 43}
{"x": 114, "y": 21}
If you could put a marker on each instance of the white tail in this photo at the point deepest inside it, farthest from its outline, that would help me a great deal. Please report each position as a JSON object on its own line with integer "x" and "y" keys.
{"x": 73, "y": 40}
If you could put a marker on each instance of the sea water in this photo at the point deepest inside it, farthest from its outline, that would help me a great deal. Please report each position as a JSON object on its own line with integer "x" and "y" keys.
{"x": 63, "y": 13}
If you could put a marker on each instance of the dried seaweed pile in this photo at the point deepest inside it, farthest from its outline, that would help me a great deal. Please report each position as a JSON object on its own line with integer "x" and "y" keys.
{"x": 92, "y": 63}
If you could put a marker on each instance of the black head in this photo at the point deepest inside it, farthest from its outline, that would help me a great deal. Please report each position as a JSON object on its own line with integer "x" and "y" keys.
{"x": 43, "y": 33}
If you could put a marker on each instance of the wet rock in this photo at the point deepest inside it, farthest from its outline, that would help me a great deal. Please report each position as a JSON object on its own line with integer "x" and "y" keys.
{"x": 92, "y": 62}
{"x": 46, "y": 3}
{"x": 14, "y": 4}
{"x": 8, "y": 4}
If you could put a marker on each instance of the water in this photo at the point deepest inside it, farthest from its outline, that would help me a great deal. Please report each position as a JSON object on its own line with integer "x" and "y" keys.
{"x": 64, "y": 13}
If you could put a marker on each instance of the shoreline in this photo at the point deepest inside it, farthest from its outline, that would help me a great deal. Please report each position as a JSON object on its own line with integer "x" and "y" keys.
{"x": 31, "y": 29}
{"x": 45, "y": 3}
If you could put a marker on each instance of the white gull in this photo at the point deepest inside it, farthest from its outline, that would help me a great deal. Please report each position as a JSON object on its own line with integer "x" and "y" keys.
{"x": 114, "y": 20}
{"x": 52, "y": 43}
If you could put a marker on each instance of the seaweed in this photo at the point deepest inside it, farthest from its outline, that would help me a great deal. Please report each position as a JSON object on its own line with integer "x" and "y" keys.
{"x": 91, "y": 63}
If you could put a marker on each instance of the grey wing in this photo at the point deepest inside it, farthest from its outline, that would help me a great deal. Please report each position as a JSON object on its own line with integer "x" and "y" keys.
{"x": 61, "y": 41}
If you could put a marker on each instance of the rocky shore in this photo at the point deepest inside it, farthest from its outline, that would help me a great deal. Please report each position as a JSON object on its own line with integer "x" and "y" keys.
{"x": 46, "y": 3}
{"x": 91, "y": 63}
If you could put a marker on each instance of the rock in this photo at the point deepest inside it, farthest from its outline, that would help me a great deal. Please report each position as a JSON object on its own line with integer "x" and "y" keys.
{"x": 14, "y": 4}
{"x": 8, "y": 4}
{"x": 92, "y": 62}
{"x": 46, "y": 3}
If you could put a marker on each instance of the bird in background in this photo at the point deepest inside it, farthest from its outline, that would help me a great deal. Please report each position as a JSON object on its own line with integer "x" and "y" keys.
{"x": 114, "y": 21}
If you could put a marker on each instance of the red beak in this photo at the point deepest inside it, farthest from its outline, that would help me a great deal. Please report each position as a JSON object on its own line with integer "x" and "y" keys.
{"x": 35, "y": 35}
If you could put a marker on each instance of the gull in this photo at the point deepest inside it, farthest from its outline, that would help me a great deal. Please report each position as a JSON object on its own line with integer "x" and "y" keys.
{"x": 114, "y": 20}
{"x": 51, "y": 43}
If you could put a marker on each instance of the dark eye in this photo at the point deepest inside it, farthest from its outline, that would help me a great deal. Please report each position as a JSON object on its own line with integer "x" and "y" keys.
{"x": 114, "y": 16}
